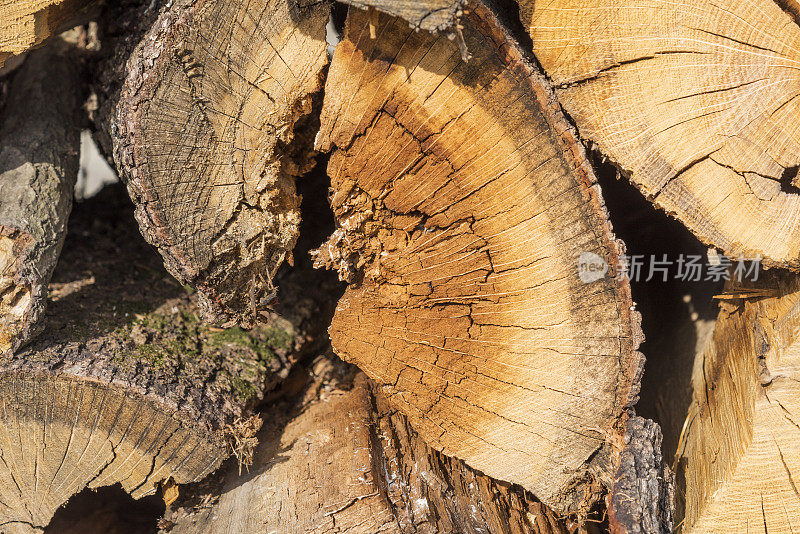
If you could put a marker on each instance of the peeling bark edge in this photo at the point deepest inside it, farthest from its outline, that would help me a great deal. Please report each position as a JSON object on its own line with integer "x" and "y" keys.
{"x": 39, "y": 159}
{"x": 462, "y": 499}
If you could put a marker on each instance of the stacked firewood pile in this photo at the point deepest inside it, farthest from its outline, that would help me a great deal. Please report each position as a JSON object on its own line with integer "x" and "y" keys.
{"x": 395, "y": 301}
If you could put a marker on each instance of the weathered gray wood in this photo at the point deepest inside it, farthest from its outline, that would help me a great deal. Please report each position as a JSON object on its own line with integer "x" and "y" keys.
{"x": 429, "y": 15}
{"x": 39, "y": 151}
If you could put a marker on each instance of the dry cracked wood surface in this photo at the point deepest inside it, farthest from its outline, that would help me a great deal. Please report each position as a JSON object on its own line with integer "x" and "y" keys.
{"x": 695, "y": 100}
{"x": 27, "y": 23}
{"x": 208, "y": 133}
{"x": 502, "y": 377}
{"x": 463, "y": 199}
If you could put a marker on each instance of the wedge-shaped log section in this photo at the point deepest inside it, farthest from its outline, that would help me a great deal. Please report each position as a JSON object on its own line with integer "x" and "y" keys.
{"x": 26, "y": 23}
{"x": 465, "y": 203}
{"x": 695, "y": 100}
{"x": 210, "y": 132}
{"x": 349, "y": 463}
{"x": 739, "y": 461}
{"x": 125, "y": 385}
{"x": 39, "y": 150}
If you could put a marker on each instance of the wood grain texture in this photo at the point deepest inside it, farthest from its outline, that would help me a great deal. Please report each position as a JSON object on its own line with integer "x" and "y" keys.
{"x": 26, "y": 23}
{"x": 696, "y": 101}
{"x": 60, "y": 435}
{"x": 210, "y": 130}
{"x": 740, "y": 461}
{"x": 347, "y": 462}
{"x": 464, "y": 201}
{"x": 40, "y": 125}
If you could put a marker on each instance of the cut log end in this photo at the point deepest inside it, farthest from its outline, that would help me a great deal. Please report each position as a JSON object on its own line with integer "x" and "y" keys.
{"x": 466, "y": 207}
{"x": 160, "y": 399}
{"x": 27, "y": 23}
{"x": 104, "y": 411}
{"x": 347, "y": 462}
{"x": 696, "y": 102}
{"x": 125, "y": 385}
{"x": 211, "y": 128}
{"x": 61, "y": 435}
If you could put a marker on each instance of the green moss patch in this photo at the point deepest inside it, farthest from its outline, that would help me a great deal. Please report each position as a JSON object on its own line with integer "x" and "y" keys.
{"x": 172, "y": 339}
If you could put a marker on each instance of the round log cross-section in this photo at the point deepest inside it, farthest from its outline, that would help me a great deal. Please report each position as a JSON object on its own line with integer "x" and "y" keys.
{"x": 696, "y": 101}
{"x": 125, "y": 385}
{"x": 210, "y": 132}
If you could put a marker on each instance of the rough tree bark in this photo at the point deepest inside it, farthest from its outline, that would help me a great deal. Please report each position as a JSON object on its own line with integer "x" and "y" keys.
{"x": 465, "y": 202}
{"x": 429, "y": 15}
{"x": 126, "y": 385}
{"x": 641, "y": 499}
{"x": 26, "y": 23}
{"x": 210, "y": 130}
{"x": 349, "y": 463}
{"x": 739, "y": 460}
{"x": 39, "y": 150}
{"x": 695, "y": 101}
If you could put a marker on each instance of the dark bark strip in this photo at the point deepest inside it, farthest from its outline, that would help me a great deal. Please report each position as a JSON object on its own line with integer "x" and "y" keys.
{"x": 641, "y": 498}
